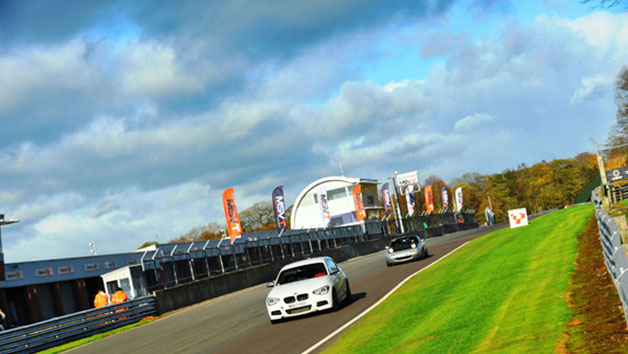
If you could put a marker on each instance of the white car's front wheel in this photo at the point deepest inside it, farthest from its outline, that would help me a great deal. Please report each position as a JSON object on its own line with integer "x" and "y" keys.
{"x": 334, "y": 301}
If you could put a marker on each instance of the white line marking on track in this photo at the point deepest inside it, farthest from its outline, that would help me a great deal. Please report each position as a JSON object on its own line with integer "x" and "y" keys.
{"x": 355, "y": 319}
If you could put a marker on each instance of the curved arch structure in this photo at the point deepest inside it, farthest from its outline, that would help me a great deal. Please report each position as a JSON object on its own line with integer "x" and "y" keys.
{"x": 306, "y": 212}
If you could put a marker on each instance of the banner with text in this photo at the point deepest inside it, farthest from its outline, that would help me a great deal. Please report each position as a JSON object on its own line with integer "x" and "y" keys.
{"x": 410, "y": 199}
{"x": 459, "y": 198}
{"x": 322, "y": 202}
{"x": 234, "y": 228}
{"x": 360, "y": 213}
{"x": 387, "y": 200}
{"x": 279, "y": 206}
{"x": 445, "y": 198}
{"x": 429, "y": 199}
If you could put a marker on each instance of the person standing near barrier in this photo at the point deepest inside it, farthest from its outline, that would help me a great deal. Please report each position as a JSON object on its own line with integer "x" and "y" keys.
{"x": 101, "y": 299}
{"x": 117, "y": 298}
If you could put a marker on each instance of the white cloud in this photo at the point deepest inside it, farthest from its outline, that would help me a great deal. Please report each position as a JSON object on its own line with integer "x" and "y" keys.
{"x": 473, "y": 120}
{"x": 154, "y": 69}
{"x": 592, "y": 87}
{"x": 107, "y": 207}
{"x": 23, "y": 71}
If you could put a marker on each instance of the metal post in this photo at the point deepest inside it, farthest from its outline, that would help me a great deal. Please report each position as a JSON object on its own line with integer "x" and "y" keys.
{"x": 209, "y": 273}
{"x": 222, "y": 265}
{"x": 191, "y": 261}
{"x": 270, "y": 248}
{"x": 174, "y": 269}
{"x": 397, "y": 201}
{"x": 248, "y": 255}
{"x": 174, "y": 266}
{"x": 600, "y": 164}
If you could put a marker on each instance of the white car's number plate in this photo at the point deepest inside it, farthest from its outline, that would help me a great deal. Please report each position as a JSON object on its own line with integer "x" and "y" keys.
{"x": 297, "y": 304}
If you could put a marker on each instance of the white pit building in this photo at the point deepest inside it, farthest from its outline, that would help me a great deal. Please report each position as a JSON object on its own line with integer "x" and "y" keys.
{"x": 306, "y": 212}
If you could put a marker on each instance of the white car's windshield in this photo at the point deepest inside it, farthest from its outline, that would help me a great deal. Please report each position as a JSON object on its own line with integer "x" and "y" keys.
{"x": 303, "y": 272}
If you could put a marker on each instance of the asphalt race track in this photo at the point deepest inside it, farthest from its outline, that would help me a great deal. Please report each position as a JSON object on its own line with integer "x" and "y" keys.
{"x": 237, "y": 323}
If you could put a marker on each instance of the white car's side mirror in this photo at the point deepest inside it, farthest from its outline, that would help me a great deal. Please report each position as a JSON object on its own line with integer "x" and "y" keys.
{"x": 270, "y": 284}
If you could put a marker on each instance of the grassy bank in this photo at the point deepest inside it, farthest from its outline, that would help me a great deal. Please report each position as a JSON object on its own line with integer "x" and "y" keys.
{"x": 504, "y": 292}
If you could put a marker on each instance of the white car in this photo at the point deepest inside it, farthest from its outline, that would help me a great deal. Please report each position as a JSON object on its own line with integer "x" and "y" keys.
{"x": 307, "y": 286}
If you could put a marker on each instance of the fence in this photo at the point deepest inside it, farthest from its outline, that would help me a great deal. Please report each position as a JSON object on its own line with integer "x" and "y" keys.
{"x": 174, "y": 264}
{"x": 617, "y": 193}
{"x": 614, "y": 255}
{"x": 60, "y": 330}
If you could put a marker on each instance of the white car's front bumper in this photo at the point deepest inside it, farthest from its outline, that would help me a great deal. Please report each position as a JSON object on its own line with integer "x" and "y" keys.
{"x": 313, "y": 303}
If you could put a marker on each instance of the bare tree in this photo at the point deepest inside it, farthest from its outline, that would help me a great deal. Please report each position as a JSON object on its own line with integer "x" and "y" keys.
{"x": 258, "y": 217}
{"x": 431, "y": 180}
{"x": 471, "y": 178}
{"x": 211, "y": 231}
{"x": 618, "y": 134}
{"x": 604, "y": 4}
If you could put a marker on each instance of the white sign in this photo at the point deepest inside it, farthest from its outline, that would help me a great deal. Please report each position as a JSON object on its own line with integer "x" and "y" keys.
{"x": 404, "y": 179}
{"x": 90, "y": 267}
{"x": 43, "y": 272}
{"x": 65, "y": 269}
{"x": 322, "y": 202}
{"x": 518, "y": 217}
{"x": 14, "y": 275}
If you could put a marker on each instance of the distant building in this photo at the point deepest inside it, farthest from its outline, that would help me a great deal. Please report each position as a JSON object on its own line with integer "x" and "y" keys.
{"x": 306, "y": 212}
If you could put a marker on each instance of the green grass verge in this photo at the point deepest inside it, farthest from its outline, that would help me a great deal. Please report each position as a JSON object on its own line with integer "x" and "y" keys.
{"x": 504, "y": 292}
{"x": 95, "y": 337}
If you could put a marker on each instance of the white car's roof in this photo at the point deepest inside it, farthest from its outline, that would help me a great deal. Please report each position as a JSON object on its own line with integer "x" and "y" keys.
{"x": 304, "y": 262}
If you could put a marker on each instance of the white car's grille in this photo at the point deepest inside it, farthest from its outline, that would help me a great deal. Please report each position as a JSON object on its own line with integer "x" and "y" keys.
{"x": 291, "y": 299}
{"x": 299, "y": 310}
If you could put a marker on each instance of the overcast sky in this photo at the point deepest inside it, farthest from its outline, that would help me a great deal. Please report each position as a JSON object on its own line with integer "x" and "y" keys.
{"x": 123, "y": 121}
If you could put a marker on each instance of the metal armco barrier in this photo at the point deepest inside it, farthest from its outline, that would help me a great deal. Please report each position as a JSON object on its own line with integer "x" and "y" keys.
{"x": 614, "y": 255}
{"x": 64, "y": 329}
{"x": 174, "y": 264}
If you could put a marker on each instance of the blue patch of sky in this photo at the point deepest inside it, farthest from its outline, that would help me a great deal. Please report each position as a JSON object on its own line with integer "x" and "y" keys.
{"x": 119, "y": 30}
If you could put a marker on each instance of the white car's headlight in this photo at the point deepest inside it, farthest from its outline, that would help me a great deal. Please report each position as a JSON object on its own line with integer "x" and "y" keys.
{"x": 270, "y": 301}
{"x": 413, "y": 245}
{"x": 321, "y": 291}
{"x": 390, "y": 250}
